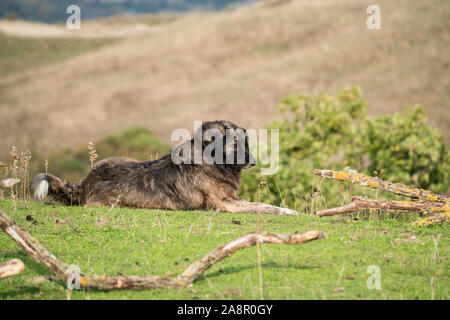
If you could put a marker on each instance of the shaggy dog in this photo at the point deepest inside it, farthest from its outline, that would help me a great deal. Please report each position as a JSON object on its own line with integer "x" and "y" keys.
{"x": 163, "y": 183}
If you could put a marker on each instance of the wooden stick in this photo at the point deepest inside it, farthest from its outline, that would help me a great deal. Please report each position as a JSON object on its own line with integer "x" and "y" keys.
{"x": 8, "y": 183}
{"x": 65, "y": 273}
{"x": 375, "y": 183}
{"x": 33, "y": 247}
{"x": 358, "y": 204}
{"x": 11, "y": 268}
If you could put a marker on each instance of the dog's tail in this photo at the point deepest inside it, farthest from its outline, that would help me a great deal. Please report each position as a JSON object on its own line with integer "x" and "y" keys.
{"x": 65, "y": 192}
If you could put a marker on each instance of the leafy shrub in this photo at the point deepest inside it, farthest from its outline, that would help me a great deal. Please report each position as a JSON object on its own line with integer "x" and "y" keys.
{"x": 333, "y": 132}
{"x": 411, "y": 151}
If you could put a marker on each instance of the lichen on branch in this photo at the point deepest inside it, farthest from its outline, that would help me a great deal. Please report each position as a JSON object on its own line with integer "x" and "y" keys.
{"x": 375, "y": 183}
{"x": 429, "y": 202}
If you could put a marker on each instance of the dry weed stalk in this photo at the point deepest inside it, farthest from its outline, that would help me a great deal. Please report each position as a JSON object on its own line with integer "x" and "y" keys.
{"x": 14, "y": 167}
{"x": 20, "y": 170}
{"x": 25, "y": 158}
{"x": 92, "y": 153}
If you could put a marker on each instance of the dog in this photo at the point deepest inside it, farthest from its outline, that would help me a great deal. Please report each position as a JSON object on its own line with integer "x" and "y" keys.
{"x": 210, "y": 184}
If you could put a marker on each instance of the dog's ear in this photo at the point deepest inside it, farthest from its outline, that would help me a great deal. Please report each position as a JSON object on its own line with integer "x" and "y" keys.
{"x": 213, "y": 130}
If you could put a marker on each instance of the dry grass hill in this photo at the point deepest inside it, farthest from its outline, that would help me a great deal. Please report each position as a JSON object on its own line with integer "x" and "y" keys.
{"x": 62, "y": 88}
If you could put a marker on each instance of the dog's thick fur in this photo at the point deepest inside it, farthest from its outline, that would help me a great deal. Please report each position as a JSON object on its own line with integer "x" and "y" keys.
{"x": 159, "y": 184}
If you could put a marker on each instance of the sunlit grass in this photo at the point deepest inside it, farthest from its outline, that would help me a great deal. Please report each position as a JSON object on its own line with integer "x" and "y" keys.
{"x": 124, "y": 241}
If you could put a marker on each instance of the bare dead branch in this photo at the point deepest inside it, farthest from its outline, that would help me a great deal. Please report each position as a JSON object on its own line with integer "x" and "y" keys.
{"x": 430, "y": 202}
{"x": 358, "y": 204}
{"x": 63, "y": 272}
{"x": 375, "y": 183}
{"x": 11, "y": 268}
{"x": 8, "y": 183}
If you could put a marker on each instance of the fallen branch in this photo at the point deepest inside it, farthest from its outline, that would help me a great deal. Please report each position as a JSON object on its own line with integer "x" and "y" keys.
{"x": 430, "y": 202}
{"x": 8, "y": 183}
{"x": 195, "y": 270}
{"x": 358, "y": 204}
{"x": 375, "y": 183}
{"x": 11, "y": 268}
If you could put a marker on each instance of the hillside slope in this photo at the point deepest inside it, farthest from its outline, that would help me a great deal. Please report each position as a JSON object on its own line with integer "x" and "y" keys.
{"x": 234, "y": 65}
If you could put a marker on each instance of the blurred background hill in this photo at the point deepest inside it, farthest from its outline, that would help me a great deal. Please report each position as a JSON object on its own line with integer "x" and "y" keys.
{"x": 61, "y": 87}
{"x": 50, "y": 10}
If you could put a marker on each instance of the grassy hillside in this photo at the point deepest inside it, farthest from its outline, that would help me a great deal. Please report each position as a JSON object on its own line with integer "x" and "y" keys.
{"x": 234, "y": 65}
{"x": 413, "y": 262}
{"x": 20, "y": 54}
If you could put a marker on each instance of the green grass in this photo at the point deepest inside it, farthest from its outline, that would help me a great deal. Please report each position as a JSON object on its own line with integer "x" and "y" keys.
{"x": 20, "y": 54}
{"x": 149, "y": 242}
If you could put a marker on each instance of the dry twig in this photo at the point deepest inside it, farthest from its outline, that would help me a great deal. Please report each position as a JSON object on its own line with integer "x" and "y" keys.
{"x": 8, "y": 183}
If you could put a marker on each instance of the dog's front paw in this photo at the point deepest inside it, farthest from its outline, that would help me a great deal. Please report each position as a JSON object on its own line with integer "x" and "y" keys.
{"x": 286, "y": 211}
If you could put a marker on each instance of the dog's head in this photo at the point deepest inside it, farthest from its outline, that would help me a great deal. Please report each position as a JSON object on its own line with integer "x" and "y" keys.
{"x": 225, "y": 144}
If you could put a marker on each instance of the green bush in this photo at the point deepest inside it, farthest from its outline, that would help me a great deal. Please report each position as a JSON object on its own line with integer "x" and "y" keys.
{"x": 333, "y": 132}
{"x": 411, "y": 151}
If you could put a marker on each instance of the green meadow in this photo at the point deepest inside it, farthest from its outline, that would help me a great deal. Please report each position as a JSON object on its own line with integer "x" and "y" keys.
{"x": 413, "y": 261}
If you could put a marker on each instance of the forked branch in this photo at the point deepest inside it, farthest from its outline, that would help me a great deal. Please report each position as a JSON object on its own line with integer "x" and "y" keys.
{"x": 429, "y": 202}
{"x": 375, "y": 183}
{"x": 195, "y": 270}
